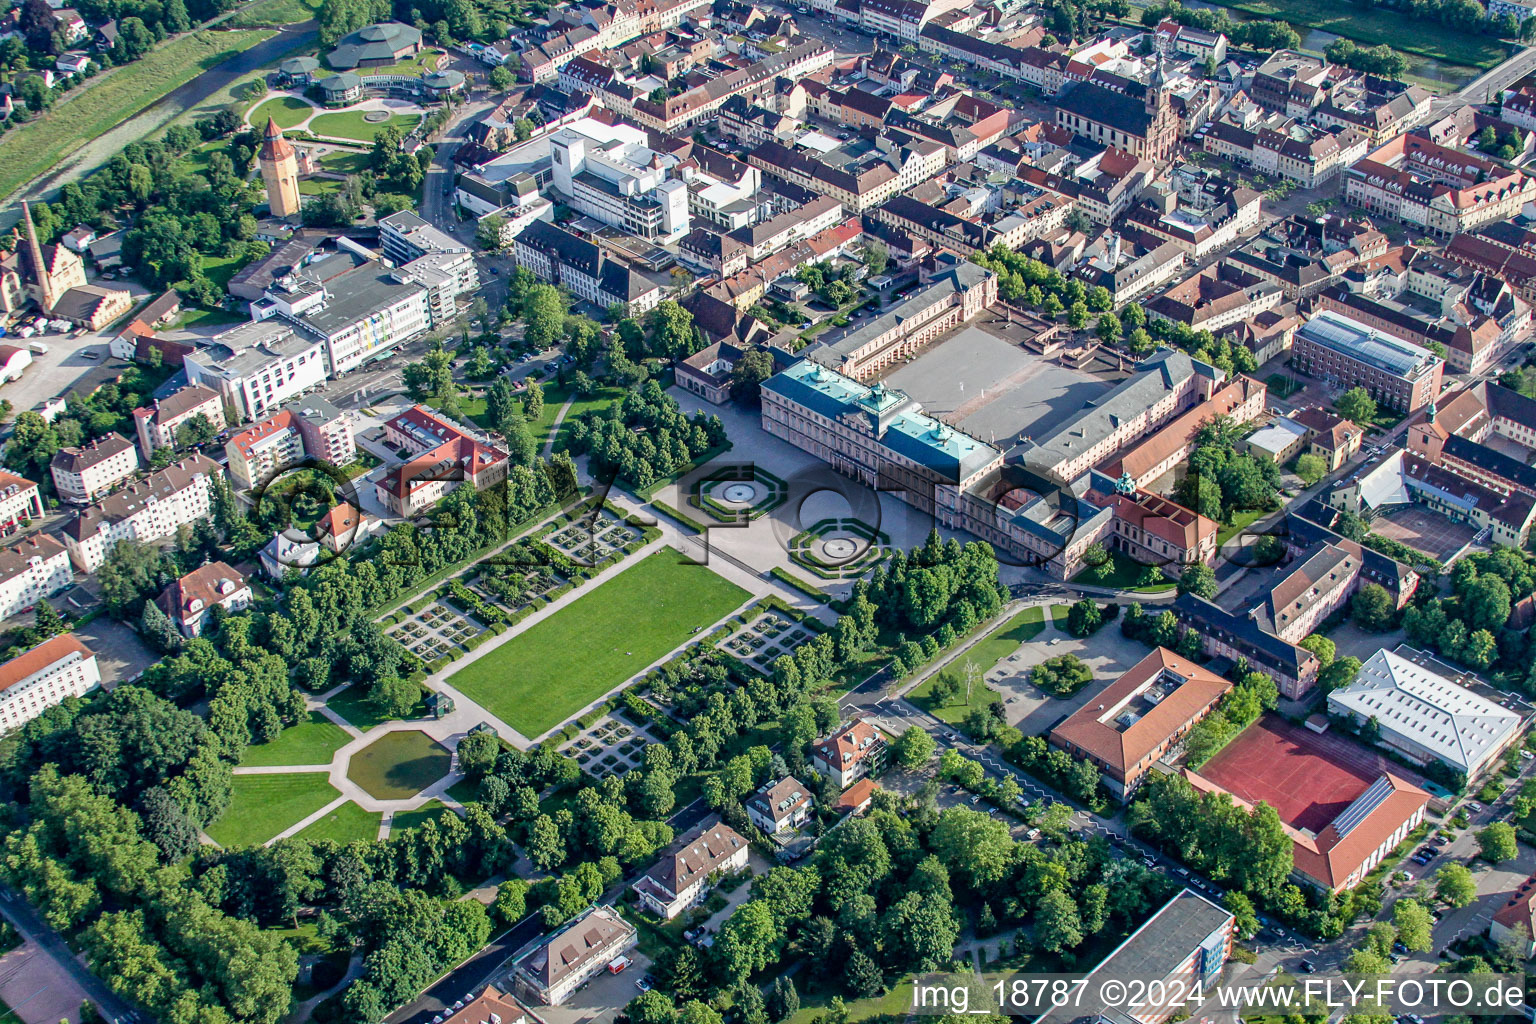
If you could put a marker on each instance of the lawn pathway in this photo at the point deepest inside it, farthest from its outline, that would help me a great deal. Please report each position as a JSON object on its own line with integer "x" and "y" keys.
{"x": 554, "y": 428}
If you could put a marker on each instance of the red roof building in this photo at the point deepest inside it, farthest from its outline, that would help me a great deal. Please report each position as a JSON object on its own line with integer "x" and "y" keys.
{"x": 445, "y": 456}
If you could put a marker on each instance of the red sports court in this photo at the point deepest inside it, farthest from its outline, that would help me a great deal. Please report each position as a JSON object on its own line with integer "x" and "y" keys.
{"x": 1307, "y": 778}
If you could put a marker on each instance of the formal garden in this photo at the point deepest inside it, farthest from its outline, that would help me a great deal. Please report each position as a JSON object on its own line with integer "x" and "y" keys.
{"x": 767, "y": 637}
{"x": 839, "y": 549}
{"x": 552, "y": 670}
{"x": 738, "y": 494}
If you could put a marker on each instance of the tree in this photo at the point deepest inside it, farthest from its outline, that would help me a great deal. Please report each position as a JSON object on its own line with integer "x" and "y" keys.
{"x": 1246, "y": 919}
{"x": 544, "y": 309}
{"x": 1311, "y": 468}
{"x": 500, "y": 79}
{"x": 914, "y": 748}
{"x": 1455, "y": 885}
{"x": 533, "y": 401}
{"x": 1356, "y": 405}
{"x": 1199, "y": 579}
{"x": 1414, "y": 925}
{"x": 477, "y": 753}
{"x": 488, "y": 230}
{"x": 1062, "y": 675}
{"x": 1109, "y": 329}
{"x": 783, "y": 1000}
{"x": 1372, "y": 608}
{"x": 862, "y": 975}
{"x": 1321, "y": 646}
{"x": 1084, "y": 618}
{"x": 748, "y": 374}
{"x": 671, "y": 330}
{"x": 1057, "y": 925}
{"x": 876, "y": 256}
{"x": 1496, "y": 842}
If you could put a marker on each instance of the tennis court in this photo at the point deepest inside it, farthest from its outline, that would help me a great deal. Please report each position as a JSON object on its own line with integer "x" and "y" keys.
{"x": 1307, "y": 778}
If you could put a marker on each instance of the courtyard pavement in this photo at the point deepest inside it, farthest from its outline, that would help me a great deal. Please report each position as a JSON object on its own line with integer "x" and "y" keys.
{"x": 976, "y": 380}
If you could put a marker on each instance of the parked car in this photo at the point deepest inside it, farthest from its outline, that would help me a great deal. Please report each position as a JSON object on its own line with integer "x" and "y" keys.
{"x": 1307, "y": 967}
{"x": 619, "y": 964}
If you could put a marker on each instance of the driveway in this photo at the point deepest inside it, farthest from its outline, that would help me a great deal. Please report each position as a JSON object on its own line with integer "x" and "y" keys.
{"x": 1033, "y": 710}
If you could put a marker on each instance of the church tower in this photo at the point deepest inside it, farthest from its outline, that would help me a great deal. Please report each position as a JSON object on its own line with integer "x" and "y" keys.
{"x": 280, "y": 170}
{"x": 1163, "y": 126}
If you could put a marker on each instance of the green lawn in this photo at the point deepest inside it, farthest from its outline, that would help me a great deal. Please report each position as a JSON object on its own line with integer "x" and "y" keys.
{"x": 31, "y": 149}
{"x": 349, "y": 124}
{"x": 345, "y": 163}
{"x": 602, "y": 398}
{"x": 310, "y": 742}
{"x": 463, "y": 791}
{"x": 543, "y": 676}
{"x": 1124, "y": 574}
{"x": 347, "y": 823}
{"x": 997, "y": 645}
{"x": 263, "y": 13}
{"x": 1059, "y": 613}
{"x": 1240, "y": 522}
{"x": 895, "y": 1004}
{"x": 264, "y": 805}
{"x": 430, "y": 811}
{"x": 399, "y": 764}
{"x": 353, "y": 705}
{"x": 287, "y": 111}
{"x": 208, "y": 318}
{"x": 219, "y": 269}
{"x": 1422, "y": 36}
{"x": 955, "y": 711}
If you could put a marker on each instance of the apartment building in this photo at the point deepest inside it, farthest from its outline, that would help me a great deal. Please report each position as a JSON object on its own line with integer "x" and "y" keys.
{"x": 878, "y": 171}
{"x": 554, "y": 968}
{"x": 1200, "y": 213}
{"x": 680, "y": 877}
{"x": 258, "y": 366}
{"x": 779, "y": 805}
{"x": 853, "y": 751}
{"x": 1300, "y": 152}
{"x": 444, "y": 456}
{"x": 1164, "y": 386}
{"x": 31, "y": 569}
{"x": 1327, "y": 577}
{"x": 1435, "y": 188}
{"x": 804, "y": 56}
{"x": 1149, "y": 528}
{"x": 189, "y": 602}
{"x": 84, "y": 473}
{"x": 20, "y": 502}
{"x": 1234, "y": 635}
{"x": 312, "y": 429}
{"x": 553, "y": 254}
{"x": 147, "y": 510}
{"x": 1345, "y": 352}
{"x": 1240, "y": 400}
{"x": 156, "y": 425}
{"x": 1214, "y": 299}
{"x": 762, "y": 240}
{"x": 37, "y": 679}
